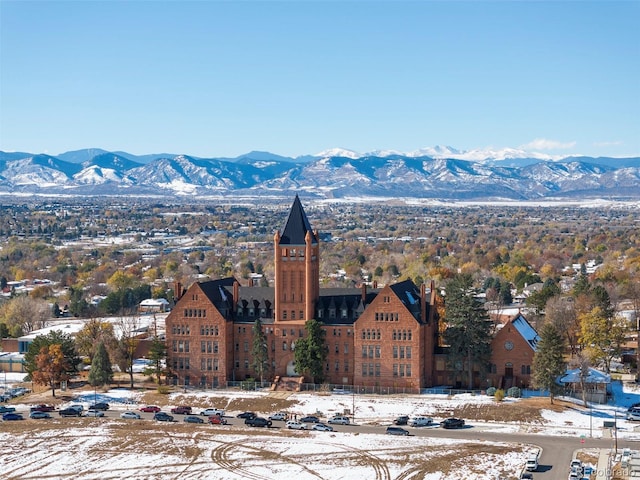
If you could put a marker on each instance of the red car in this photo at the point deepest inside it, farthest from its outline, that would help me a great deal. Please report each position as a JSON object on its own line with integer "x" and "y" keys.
{"x": 42, "y": 408}
{"x": 150, "y": 408}
{"x": 181, "y": 410}
{"x": 217, "y": 420}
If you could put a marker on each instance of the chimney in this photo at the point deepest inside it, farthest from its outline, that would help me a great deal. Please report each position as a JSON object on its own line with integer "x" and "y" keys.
{"x": 236, "y": 294}
{"x": 364, "y": 292}
{"x": 375, "y": 284}
{"x": 177, "y": 291}
{"x": 423, "y": 302}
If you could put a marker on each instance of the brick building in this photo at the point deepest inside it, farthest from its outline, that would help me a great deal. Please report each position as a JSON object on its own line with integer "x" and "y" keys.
{"x": 512, "y": 349}
{"x": 375, "y": 337}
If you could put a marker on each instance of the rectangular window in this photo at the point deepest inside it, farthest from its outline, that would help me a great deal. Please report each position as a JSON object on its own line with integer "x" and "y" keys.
{"x": 246, "y": 346}
{"x": 215, "y": 347}
{"x": 371, "y": 369}
{"x": 215, "y": 364}
{"x": 401, "y": 352}
{"x": 408, "y": 350}
{"x": 364, "y": 369}
{"x": 377, "y": 351}
{"x": 203, "y": 348}
{"x": 202, "y": 364}
{"x": 337, "y": 366}
{"x": 284, "y": 345}
{"x": 346, "y": 348}
{"x": 402, "y": 369}
{"x": 377, "y": 369}
{"x": 337, "y": 348}
{"x": 370, "y": 351}
{"x": 209, "y": 364}
{"x": 395, "y": 351}
{"x": 408, "y": 370}
{"x": 364, "y": 351}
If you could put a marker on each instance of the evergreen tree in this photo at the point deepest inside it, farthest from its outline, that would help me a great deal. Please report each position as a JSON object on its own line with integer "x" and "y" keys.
{"x": 311, "y": 351}
{"x": 158, "y": 357}
{"x": 548, "y": 361}
{"x": 259, "y": 351}
{"x": 468, "y": 331}
{"x": 101, "y": 372}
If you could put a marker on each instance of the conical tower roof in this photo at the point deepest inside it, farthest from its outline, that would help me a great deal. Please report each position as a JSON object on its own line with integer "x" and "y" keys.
{"x": 297, "y": 226}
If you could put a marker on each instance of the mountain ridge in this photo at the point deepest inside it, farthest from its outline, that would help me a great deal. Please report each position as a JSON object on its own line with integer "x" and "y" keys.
{"x": 334, "y": 173}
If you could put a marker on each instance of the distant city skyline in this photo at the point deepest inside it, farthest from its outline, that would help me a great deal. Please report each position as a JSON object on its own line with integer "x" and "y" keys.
{"x": 220, "y": 79}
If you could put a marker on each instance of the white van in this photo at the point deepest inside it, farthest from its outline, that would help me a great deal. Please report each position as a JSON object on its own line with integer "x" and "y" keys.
{"x": 420, "y": 421}
{"x": 532, "y": 462}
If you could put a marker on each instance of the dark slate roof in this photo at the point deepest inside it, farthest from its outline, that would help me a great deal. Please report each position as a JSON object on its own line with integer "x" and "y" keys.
{"x": 409, "y": 294}
{"x": 297, "y": 226}
{"x": 216, "y": 291}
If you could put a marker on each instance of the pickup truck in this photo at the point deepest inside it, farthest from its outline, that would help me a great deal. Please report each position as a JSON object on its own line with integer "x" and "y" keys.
{"x": 42, "y": 408}
{"x": 212, "y": 411}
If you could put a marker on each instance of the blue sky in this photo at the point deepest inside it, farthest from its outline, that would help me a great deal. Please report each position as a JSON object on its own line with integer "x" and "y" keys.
{"x": 213, "y": 78}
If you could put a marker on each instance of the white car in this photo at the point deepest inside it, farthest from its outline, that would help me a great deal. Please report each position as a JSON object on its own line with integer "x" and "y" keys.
{"x": 94, "y": 413}
{"x": 278, "y": 416}
{"x": 322, "y": 427}
{"x": 339, "y": 420}
{"x": 130, "y": 415}
{"x": 209, "y": 412}
{"x": 420, "y": 421}
{"x": 296, "y": 425}
{"x": 633, "y": 415}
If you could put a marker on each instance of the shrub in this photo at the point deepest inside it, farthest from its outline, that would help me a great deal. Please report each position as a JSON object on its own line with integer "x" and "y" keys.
{"x": 499, "y": 395}
{"x": 491, "y": 391}
{"x": 164, "y": 389}
{"x": 514, "y": 392}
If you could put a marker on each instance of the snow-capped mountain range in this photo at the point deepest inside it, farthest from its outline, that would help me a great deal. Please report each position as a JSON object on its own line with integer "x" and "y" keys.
{"x": 436, "y": 172}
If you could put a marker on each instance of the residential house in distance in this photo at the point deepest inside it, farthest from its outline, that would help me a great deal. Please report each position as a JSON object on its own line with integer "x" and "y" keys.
{"x": 384, "y": 338}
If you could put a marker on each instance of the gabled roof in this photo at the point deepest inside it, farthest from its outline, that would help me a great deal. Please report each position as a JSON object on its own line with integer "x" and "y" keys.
{"x": 216, "y": 292}
{"x": 297, "y": 226}
{"x": 593, "y": 376}
{"x": 527, "y": 332}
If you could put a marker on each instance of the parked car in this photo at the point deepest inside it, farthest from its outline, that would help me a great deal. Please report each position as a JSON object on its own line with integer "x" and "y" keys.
{"x": 258, "y": 422}
{"x": 634, "y": 414}
{"x": 37, "y": 414}
{"x": 246, "y": 415}
{"x": 11, "y": 416}
{"x": 42, "y": 408}
{"x": 193, "y": 419}
{"x": 338, "y": 420}
{"x": 94, "y": 413}
{"x": 401, "y": 420}
{"x": 310, "y": 419}
{"x": 217, "y": 420}
{"x": 322, "y": 427}
{"x": 77, "y": 406}
{"x": 397, "y": 431}
{"x": 532, "y": 462}
{"x": 212, "y": 411}
{"x": 295, "y": 425}
{"x": 130, "y": 415}
{"x": 420, "y": 421}
{"x": 5, "y": 409}
{"x": 150, "y": 408}
{"x": 452, "y": 423}
{"x": 70, "y": 412}
{"x": 526, "y": 475}
{"x": 183, "y": 410}
{"x": 278, "y": 416}
{"x": 99, "y": 406}
{"x": 162, "y": 417}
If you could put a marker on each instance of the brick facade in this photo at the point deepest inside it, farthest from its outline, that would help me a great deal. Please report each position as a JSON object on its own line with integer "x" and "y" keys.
{"x": 385, "y": 338}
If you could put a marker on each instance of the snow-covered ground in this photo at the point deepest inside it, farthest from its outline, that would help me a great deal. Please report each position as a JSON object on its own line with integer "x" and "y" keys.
{"x": 114, "y": 448}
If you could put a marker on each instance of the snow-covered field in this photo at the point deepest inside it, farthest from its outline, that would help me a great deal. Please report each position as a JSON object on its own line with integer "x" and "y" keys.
{"x": 112, "y": 448}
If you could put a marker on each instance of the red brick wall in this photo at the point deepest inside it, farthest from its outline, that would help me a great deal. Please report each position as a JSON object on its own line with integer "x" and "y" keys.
{"x": 521, "y": 354}
{"x": 392, "y": 316}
